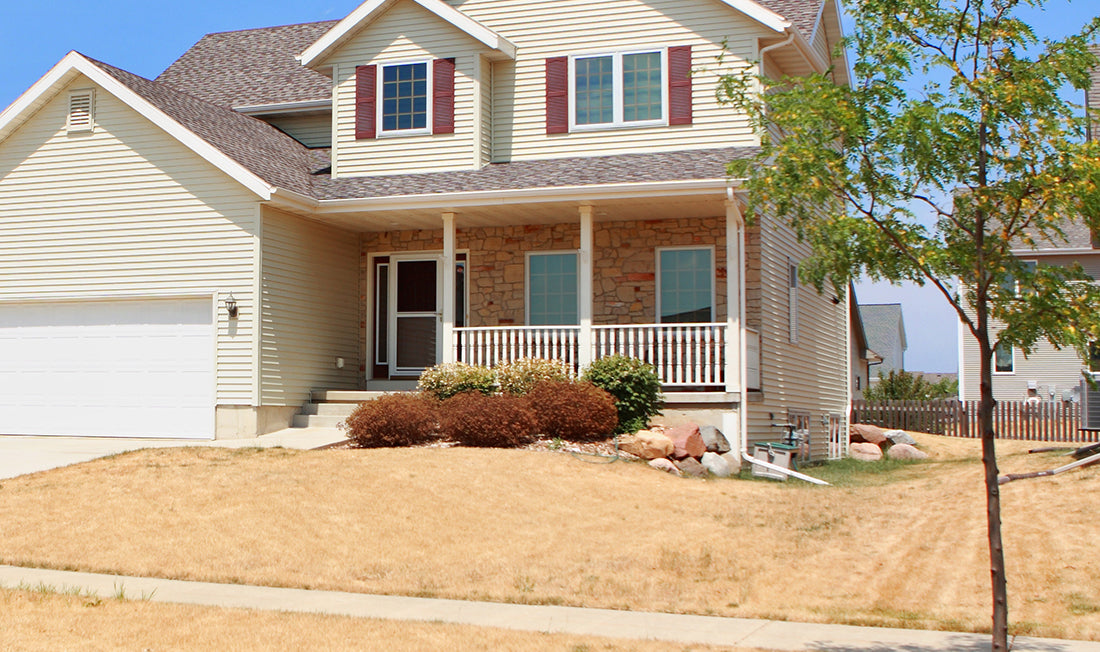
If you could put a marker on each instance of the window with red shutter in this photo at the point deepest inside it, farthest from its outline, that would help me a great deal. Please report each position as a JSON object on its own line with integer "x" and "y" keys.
{"x": 557, "y": 95}
{"x": 365, "y": 103}
{"x": 443, "y": 96}
{"x": 679, "y": 85}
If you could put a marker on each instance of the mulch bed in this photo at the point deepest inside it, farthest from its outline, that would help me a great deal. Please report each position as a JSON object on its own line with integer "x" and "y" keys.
{"x": 606, "y": 448}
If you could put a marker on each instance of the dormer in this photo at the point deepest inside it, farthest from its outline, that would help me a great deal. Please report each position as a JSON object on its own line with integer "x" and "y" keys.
{"x": 411, "y": 87}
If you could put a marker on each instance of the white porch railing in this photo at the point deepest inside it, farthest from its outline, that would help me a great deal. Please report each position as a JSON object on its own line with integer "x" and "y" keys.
{"x": 752, "y": 362}
{"x": 684, "y": 355}
{"x": 494, "y": 345}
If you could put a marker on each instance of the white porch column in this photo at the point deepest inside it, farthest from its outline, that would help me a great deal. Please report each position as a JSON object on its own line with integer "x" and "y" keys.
{"x": 585, "y": 342}
{"x": 735, "y": 336}
{"x": 450, "y": 347}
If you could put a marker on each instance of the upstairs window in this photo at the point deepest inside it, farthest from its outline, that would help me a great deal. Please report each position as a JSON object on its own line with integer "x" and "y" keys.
{"x": 619, "y": 89}
{"x": 1004, "y": 359}
{"x": 404, "y": 104}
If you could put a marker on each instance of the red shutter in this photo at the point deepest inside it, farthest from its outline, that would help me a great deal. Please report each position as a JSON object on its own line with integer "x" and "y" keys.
{"x": 443, "y": 96}
{"x": 679, "y": 85}
{"x": 557, "y": 95}
{"x": 365, "y": 84}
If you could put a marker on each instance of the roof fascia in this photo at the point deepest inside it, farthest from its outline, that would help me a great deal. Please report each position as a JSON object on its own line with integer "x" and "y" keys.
{"x": 1054, "y": 251}
{"x": 74, "y": 62}
{"x": 760, "y": 14}
{"x": 371, "y": 9}
{"x": 307, "y": 106}
{"x": 443, "y": 201}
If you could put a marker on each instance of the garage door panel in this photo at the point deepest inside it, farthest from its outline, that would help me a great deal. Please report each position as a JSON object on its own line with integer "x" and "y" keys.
{"x": 113, "y": 368}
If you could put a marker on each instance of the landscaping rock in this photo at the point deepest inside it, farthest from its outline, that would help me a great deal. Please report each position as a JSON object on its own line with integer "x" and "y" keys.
{"x": 863, "y": 432}
{"x": 687, "y": 441}
{"x": 714, "y": 439}
{"x": 647, "y": 445}
{"x": 900, "y": 437}
{"x": 691, "y": 466}
{"x": 733, "y": 459}
{"x": 865, "y": 452}
{"x": 905, "y": 452}
{"x": 663, "y": 464}
{"x": 716, "y": 465}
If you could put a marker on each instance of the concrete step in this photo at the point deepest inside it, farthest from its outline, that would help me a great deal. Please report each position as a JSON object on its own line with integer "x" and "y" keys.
{"x": 343, "y": 396}
{"x": 329, "y": 409}
{"x": 316, "y": 421}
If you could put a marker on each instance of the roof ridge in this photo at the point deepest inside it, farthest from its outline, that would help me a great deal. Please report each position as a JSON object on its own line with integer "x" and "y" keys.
{"x": 260, "y": 29}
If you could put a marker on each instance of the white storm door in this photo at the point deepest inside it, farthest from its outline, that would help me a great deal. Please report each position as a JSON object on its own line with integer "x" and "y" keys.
{"x": 416, "y": 309}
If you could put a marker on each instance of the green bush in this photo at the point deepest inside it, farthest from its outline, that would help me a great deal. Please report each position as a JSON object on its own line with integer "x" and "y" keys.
{"x": 404, "y": 419}
{"x": 634, "y": 385}
{"x": 520, "y": 376}
{"x": 574, "y": 411}
{"x": 499, "y": 421}
{"x": 446, "y": 380}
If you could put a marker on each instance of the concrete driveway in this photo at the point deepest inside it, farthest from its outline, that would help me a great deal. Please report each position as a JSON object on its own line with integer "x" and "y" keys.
{"x": 21, "y": 455}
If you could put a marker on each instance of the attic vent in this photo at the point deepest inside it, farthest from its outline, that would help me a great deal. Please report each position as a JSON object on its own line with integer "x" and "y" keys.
{"x": 81, "y": 111}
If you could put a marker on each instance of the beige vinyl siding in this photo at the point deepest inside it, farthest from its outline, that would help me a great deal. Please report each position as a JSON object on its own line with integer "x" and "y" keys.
{"x": 126, "y": 211}
{"x": 485, "y": 110}
{"x": 407, "y": 32}
{"x": 564, "y": 27}
{"x": 1047, "y": 366}
{"x": 810, "y": 376}
{"x": 821, "y": 45}
{"x": 312, "y": 130}
{"x": 310, "y": 309}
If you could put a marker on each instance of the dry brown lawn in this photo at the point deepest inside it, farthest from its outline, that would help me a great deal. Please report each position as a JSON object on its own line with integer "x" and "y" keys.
{"x": 34, "y": 620}
{"x": 904, "y": 547}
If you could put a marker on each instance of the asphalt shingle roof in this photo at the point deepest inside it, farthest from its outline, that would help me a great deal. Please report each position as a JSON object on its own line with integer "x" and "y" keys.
{"x": 882, "y": 322}
{"x": 252, "y": 67}
{"x": 802, "y": 14}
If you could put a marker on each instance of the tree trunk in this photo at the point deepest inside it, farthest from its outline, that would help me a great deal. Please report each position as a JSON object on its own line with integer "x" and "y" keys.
{"x": 993, "y": 498}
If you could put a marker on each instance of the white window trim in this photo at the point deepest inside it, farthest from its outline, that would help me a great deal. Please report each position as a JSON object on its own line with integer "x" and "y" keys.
{"x": 792, "y": 299}
{"x": 617, "y": 121}
{"x": 527, "y": 283}
{"x": 380, "y": 100}
{"x": 1004, "y": 373}
{"x": 713, "y": 278}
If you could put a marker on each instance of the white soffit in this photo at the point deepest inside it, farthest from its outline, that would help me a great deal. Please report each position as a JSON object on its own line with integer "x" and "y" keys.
{"x": 370, "y": 10}
{"x": 760, "y": 14}
{"x": 75, "y": 63}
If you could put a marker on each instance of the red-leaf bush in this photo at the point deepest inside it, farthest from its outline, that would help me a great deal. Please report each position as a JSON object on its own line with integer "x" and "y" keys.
{"x": 404, "y": 419}
{"x": 500, "y": 421}
{"x": 577, "y": 411}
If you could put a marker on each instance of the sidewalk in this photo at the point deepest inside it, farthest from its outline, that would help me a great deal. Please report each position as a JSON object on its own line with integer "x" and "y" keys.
{"x": 772, "y": 635}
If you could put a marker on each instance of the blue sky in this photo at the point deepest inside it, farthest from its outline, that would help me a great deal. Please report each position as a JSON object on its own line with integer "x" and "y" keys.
{"x": 145, "y": 37}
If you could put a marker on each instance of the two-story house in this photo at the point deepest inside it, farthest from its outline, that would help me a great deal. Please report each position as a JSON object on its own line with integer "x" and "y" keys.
{"x": 338, "y": 205}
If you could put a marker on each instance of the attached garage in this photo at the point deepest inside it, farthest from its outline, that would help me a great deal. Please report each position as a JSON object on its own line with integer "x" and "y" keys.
{"x": 133, "y": 368}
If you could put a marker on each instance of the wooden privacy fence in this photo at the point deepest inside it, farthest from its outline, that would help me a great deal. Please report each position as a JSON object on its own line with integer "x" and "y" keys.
{"x": 1034, "y": 421}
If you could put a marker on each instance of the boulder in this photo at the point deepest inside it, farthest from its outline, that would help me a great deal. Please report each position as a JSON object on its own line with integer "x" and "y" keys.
{"x": 691, "y": 466}
{"x": 647, "y": 444}
{"x": 863, "y": 432}
{"x": 905, "y": 452}
{"x": 733, "y": 459}
{"x": 687, "y": 441}
{"x": 714, "y": 439}
{"x": 716, "y": 465}
{"x": 663, "y": 464}
{"x": 865, "y": 452}
{"x": 900, "y": 437}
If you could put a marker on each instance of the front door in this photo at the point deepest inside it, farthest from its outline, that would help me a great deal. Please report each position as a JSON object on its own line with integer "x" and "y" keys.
{"x": 416, "y": 314}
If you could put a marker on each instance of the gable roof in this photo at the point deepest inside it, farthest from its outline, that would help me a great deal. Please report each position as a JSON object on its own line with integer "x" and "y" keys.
{"x": 252, "y": 67}
{"x": 803, "y": 15}
{"x": 884, "y": 325}
{"x": 372, "y": 9}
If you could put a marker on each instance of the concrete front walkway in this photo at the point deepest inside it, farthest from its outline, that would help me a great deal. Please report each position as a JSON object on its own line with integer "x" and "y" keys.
{"x": 21, "y": 455}
{"x": 766, "y": 634}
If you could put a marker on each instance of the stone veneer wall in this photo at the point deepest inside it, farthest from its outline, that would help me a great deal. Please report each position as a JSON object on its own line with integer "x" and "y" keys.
{"x": 624, "y": 264}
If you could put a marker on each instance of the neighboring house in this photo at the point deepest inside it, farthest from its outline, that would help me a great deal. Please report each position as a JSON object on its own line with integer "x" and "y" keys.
{"x": 1048, "y": 373}
{"x": 338, "y": 205}
{"x": 860, "y": 356}
{"x": 885, "y": 327}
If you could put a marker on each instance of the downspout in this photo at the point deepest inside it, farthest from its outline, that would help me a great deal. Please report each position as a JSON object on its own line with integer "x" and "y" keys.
{"x": 775, "y": 46}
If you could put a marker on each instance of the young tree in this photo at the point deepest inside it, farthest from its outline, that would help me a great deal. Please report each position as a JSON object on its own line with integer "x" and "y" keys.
{"x": 951, "y": 148}
{"x": 904, "y": 386}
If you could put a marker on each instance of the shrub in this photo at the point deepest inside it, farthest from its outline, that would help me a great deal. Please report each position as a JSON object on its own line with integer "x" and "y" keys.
{"x": 634, "y": 385}
{"x": 404, "y": 419}
{"x": 500, "y": 421}
{"x": 577, "y": 411}
{"x": 446, "y": 380}
{"x": 520, "y": 376}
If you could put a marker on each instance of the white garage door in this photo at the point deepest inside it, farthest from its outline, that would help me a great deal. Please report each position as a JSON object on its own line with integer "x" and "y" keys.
{"x": 108, "y": 368}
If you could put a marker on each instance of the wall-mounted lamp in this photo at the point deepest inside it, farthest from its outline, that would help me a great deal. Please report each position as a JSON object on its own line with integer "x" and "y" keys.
{"x": 231, "y": 306}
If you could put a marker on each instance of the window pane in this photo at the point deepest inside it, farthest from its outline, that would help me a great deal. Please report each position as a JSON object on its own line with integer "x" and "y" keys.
{"x": 552, "y": 289}
{"x": 1002, "y": 356}
{"x": 405, "y": 97}
{"x": 642, "y": 98}
{"x": 686, "y": 286}
{"x": 594, "y": 90}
